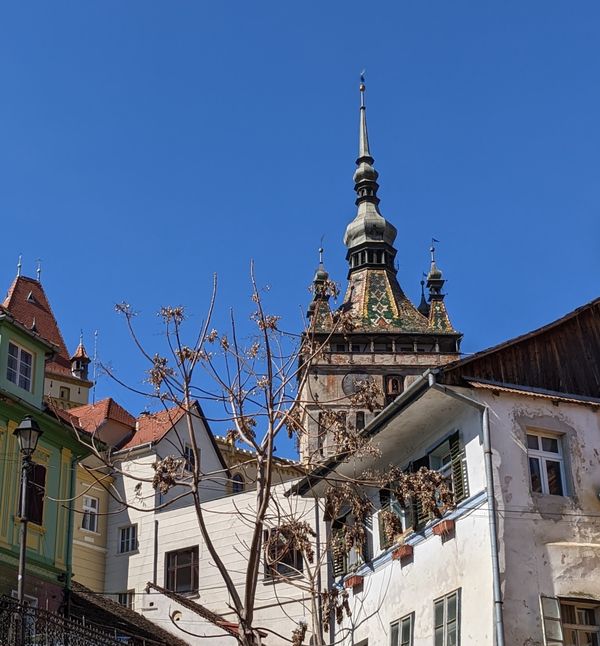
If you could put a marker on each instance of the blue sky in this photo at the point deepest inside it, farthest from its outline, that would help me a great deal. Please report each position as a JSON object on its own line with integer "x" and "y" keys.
{"x": 146, "y": 145}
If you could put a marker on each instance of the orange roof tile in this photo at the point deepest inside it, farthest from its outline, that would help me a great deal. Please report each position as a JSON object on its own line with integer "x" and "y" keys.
{"x": 92, "y": 415}
{"x": 152, "y": 427}
{"x": 27, "y": 303}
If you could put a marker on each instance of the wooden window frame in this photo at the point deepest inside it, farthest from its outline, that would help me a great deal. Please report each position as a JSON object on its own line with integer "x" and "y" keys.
{"x": 172, "y": 569}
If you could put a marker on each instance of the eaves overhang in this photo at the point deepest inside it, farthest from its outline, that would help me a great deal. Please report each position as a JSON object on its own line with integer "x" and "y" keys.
{"x": 423, "y": 397}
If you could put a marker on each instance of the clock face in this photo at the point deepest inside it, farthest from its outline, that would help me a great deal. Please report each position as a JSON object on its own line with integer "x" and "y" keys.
{"x": 349, "y": 382}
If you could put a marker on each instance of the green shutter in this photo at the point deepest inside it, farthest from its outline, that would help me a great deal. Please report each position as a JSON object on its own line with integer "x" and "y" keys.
{"x": 338, "y": 553}
{"x": 419, "y": 515}
{"x": 460, "y": 485}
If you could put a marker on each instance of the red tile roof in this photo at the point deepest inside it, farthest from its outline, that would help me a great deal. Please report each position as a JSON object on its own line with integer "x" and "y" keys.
{"x": 27, "y": 303}
{"x": 91, "y": 416}
{"x": 152, "y": 427}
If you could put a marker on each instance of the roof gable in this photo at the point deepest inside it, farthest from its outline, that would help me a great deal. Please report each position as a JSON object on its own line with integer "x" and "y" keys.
{"x": 563, "y": 356}
{"x": 27, "y": 302}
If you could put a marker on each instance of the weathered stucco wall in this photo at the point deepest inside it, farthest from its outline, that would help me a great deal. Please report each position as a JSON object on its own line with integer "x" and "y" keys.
{"x": 550, "y": 545}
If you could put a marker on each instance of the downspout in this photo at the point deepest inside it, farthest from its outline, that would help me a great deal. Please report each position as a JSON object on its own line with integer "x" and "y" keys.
{"x": 69, "y": 555}
{"x": 491, "y": 500}
{"x": 318, "y": 559}
{"x": 155, "y": 559}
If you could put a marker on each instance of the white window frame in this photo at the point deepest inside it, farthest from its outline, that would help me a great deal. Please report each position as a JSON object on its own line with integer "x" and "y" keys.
{"x": 128, "y": 539}
{"x": 19, "y": 374}
{"x": 397, "y": 628}
{"x": 127, "y": 599}
{"x": 546, "y": 456}
{"x": 89, "y": 520}
{"x": 445, "y": 623}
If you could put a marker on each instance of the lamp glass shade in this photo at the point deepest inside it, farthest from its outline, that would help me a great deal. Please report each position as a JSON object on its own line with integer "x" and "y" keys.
{"x": 28, "y": 433}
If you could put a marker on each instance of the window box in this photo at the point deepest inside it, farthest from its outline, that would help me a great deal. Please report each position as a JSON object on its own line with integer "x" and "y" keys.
{"x": 402, "y": 552}
{"x": 353, "y": 581}
{"x": 444, "y": 528}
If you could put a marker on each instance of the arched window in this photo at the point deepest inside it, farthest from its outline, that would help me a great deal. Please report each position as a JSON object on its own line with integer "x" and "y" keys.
{"x": 237, "y": 483}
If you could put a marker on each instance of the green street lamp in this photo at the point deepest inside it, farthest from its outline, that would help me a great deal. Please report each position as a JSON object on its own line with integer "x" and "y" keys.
{"x": 28, "y": 433}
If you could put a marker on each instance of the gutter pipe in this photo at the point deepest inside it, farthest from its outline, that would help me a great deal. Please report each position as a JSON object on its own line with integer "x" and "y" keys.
{"x": 70, "y": 521}
{"x": 491, "y": 501}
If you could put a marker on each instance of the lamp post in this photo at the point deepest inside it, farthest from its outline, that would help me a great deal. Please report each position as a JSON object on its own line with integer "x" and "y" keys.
{"x": 28, "y": 433}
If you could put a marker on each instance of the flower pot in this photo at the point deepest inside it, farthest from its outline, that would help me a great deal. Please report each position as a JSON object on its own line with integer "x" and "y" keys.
{"x": 353, "y": 581}
{"x": 402, "y": 552}
{"x": 444, "y": 528}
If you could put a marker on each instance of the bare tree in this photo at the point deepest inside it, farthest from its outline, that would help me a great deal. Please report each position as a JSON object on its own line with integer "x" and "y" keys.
{"x": 256, "y": 381}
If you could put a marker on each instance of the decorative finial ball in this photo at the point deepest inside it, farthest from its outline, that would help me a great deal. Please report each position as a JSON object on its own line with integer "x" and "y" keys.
{"x": 362, "y": 87}
{"x": 320, "y": 249}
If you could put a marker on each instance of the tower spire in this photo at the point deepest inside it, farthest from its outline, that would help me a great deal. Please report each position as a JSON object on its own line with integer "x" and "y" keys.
{"x": 363, "y": 137}
{"x": 369, "y": 237}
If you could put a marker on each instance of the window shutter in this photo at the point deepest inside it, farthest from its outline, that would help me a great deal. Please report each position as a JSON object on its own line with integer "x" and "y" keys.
{"x": 419, "y": 515}
{"x": 459, "y": 476}
{"x": 553, "y": 633}
{"x": 337, "y": 552}
{"x": 366, "y": 548}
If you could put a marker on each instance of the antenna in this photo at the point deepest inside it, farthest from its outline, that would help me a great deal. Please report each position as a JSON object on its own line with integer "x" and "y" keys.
{"x": 95, "y": 372}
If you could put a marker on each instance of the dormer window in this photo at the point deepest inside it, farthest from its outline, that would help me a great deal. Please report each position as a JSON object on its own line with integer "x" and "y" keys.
{"x": 19, "y": 367}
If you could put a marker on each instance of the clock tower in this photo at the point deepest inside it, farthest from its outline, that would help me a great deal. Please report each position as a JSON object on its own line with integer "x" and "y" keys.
{"x": 383, "y": 337}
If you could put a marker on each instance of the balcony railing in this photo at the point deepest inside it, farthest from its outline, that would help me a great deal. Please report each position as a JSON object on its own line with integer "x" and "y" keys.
{"x": 23, "y": 625}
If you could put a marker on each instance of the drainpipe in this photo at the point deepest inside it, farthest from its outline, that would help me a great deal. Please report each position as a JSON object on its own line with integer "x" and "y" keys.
{"x": 491, "y": 500}
{"x": 69, "y": 555}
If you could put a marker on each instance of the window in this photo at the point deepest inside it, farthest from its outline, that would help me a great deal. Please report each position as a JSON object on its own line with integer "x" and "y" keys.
{"x": 546, "y": 464}
{"x": 182, "y": 570}
{"x": 36, "y": 489}
{"x": 446, "y": 619}
{"x": 360, "y": 420}
{"x": 402, "y": 631}
{"x": 64, "y": 393}
{"x": 570, "y": 622}
{"x": 237, "y": 483}
{"x": 394, "y": 385}
{"x": 128, "y": 539}
{"x": 188, "y": 456}
{"x": 89, "y": 521}
{"x": 127, "y": 599}
{"x": 342, "y": 559}
{"x": 448, "y": 458}
{"x": 405, "y": 518}
{"x": 19, "y": 367}
{"x": 281, "y": 559}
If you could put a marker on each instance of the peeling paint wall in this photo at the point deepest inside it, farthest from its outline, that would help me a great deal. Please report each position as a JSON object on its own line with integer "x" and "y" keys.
{"x": 550, "y": 545}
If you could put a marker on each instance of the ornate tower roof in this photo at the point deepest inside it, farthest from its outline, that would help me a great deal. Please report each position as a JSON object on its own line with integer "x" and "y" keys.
{"x": 374, "y": 296}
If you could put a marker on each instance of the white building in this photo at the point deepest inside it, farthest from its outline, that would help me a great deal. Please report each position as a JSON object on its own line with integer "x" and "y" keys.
{"x": 537, "y": 421}
{"x": 159, "y": 564}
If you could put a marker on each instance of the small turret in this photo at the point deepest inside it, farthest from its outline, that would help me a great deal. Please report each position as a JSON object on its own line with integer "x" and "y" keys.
{"x": 423, "y": 305}
{"x": 80, "y": 361}
{"x": 439, "y": 321}
{"x": 321, "y": 288}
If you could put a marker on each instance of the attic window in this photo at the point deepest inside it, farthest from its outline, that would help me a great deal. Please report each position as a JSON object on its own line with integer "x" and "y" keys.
{"x": 31, "y": 298}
